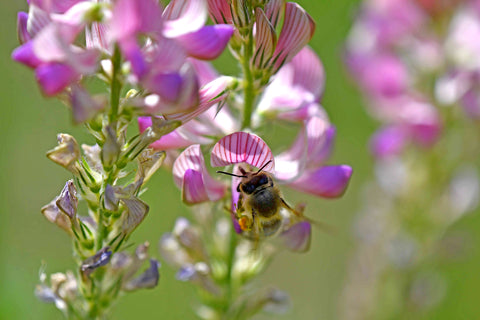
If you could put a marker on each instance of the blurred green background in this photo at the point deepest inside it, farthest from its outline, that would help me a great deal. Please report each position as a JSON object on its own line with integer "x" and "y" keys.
{"x": 28, "y": 127}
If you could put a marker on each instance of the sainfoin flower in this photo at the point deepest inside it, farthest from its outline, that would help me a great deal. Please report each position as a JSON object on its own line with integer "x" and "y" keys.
{"x": 304, "y": 171}
{"x": 154, "y": 42}
{"x": 392, "y": 49}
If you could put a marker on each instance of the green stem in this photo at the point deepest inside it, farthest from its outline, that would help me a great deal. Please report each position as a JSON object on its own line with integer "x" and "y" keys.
{"x": 230, "y": 285}
{"x": 96, "y": 309}
{"x": 116, "y": 86}
{"x": 248, "y": 85}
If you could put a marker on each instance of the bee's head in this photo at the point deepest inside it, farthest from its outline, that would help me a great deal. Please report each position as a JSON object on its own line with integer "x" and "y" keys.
{"x": 252, "y": 183}
{"x": 251, "y": 180}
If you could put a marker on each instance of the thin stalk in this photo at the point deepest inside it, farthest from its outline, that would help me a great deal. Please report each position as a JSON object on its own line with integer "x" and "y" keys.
{"x": 116, "y": 86}
{"x": 230, "y": 288}
{"x": 248, "y": 85}
{"x": 96, "y": 310}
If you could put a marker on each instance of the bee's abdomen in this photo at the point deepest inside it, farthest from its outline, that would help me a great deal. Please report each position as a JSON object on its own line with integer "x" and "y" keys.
{"x": 266, "y": 203}
{"x": 271, "y": 226}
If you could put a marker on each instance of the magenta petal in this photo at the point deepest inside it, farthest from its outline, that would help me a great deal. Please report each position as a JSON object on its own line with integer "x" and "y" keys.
{"x": 190, "y": 173}
{"x": 297, "y": 237}
{"x": 193, "y": 188}
{"x": 22, "y": 32}
{"x": 167, "y": 85}
{"x": 131, "y": 17}
{"x": 388, "y": 141}
{"x": 325, "y": 152}
{"x": 242, "y": 147}
{"x": 208, "y": 42}
{"x": 25, "y": 55}
{"x": 236, "y": 225}
{"x": 326, "y": 182}
{"x": 55, "y": 77}
{"x": 133, "y": 53}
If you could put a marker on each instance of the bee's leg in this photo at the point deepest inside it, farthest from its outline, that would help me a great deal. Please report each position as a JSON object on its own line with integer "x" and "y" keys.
{"x": 256, "y": 231}
{"x": 298, "y": 211}
{"x": 245, "y": 223}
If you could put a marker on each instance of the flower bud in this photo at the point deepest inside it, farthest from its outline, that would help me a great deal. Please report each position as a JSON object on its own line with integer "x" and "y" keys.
{"x": 84, "y": 106}
{"x": 241, "y": 15}
{"x": 111, "y": 148}
{"x": 68, "y": 201}
{"x": 199, "y": 273}
{"x": 67, "y": 153}
{"x": 172, "y": 252}
{"x": 149, "y": 162}
{"x": 96, "y": 261}
{"x": 63, "y": 209}
{"x": 147, "y": 280}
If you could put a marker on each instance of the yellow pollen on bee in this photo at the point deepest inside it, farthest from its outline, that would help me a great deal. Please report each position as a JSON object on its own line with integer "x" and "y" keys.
{"x": 245, "y": 223}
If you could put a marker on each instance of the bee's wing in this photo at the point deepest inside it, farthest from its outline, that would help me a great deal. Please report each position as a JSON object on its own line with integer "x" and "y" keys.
{"x": 298, "y": 212}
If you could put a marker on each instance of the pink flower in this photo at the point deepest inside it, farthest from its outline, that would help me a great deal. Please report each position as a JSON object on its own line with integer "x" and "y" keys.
{"x": 295, "y": 89}
{"x": 271, "y": 52}
{"x": 204, "y": 121}
{"x": 160, "y": 64}
{"x": 301, "y": 167}
{"x": 191, "y": 175}
{"x": 48, "y": 34}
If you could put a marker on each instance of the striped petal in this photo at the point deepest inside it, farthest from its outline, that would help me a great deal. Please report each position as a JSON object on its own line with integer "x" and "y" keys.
{"x": 220, "y": 11}
{"x": 22, "y": 32}
{"x": 210, "y": 94}
{"x": 297, "y": 237}
{"x": 190, "y": 174}
{"x": 37, "y": 20}
{"x": 265, "y": 39}
{"x": 242, "y": 147}
{"x": 297, "y": 30}
{"x": 184, "y": 16}
{"x": 208, "y": 42}
{"x": 274, "y": 10}
{"x": 326, "y": 182}
{"x": 96, "y": 37}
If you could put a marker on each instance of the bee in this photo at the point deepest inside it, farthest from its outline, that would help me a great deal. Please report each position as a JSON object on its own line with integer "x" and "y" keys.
{"x": 258, "y": 210}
